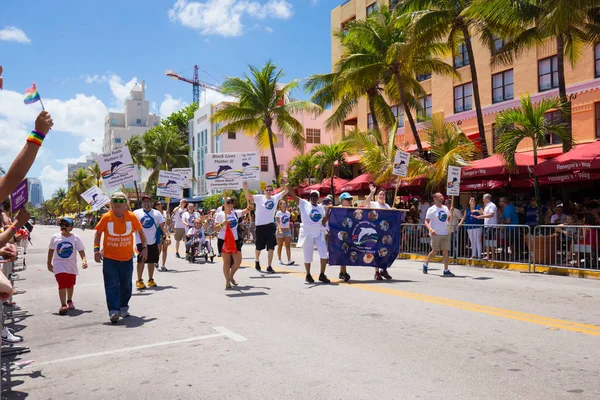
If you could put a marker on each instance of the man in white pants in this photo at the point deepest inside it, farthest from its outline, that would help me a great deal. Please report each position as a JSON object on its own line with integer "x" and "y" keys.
{"x": 312, "y": 232}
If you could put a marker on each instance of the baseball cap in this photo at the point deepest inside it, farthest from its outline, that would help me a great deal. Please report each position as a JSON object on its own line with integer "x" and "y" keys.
{"x": 345, "y": 196}
{"x": 144, "y": 197}
{"x": 314, "y": 192}
{"x": 66, "y": 220}
{"x": 119, "y": 195}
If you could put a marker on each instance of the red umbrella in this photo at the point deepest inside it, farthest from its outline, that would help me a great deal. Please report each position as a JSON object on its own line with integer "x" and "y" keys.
{"x": 585, "y": 157}
{"x": 418, "y": 182}
{"x": 577, "y": 176}
{"x": 481, "y": 185}
{"x": 337, "y": 182}
{"x": 305, "y": 191}
{"x": 494, "y": 166}
{"x": 359, "y": 184}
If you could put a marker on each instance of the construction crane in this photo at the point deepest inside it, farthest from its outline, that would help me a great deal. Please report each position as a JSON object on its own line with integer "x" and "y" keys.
{"x": 195, "y": 82}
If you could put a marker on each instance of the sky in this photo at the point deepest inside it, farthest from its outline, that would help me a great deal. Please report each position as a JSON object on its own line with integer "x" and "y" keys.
{"x": 85, "y": 56}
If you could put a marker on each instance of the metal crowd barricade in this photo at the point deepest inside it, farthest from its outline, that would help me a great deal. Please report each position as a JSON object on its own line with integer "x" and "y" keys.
{"x": 414, "y": 239}
{"x": 567, "y": 246}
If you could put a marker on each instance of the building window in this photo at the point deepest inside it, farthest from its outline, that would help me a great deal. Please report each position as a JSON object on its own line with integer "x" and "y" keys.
{"x": 555, "y": 118}
{"x": 393, "y": 4}
{"x": 264, "y": 164}
{"x": 398, "y": 112}
{"x": 370, "y": 124}
{"x": 423, "y": 77}
{"x": 231, "y": 135}
{"x": 344, "y": 26}
{"x": 372, "y": 8}
{"x": 138, "y": 121}
{"x": 193, "y": 143}
{"x": 426, "y": 108}
{"x": 113, "y": 121}
{"x": 597, "y": 58}
{"x": 463, "y": 97}
{"x": 597, "y": 106}
{"x": 498, "y": 43}
{"x": 462, "y": 56}
{"x": 503, "y": 86}
{"x": 313, "y": 136}
{"x": 117, "y": 140}
{"x": 548, "y": 73}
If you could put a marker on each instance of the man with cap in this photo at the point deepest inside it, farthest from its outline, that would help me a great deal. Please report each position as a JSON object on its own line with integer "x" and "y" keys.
{"x": 154, "y": 227}
{"x": 118, "y": 226}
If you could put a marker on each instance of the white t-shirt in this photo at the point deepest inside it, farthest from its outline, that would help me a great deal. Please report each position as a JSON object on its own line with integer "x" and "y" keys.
{"x": 265, "y": 208}
{"x": 489, "y": 209}
{"x": 555, "y": 219}
{"x": 438, "y": 219}
{"x": 423, "y": 208}
{"x": 375, "y": 204}
{"x": 148, "y": 224}
{"x": 188, "y": 218}
{"x": 284, "y": 219}
{"x": 196, "y": 233}
{"x": 65, "y": 253}
{"x": 312, "y": 218}
{"x": 178, "y": 218}
{"x": 233, "y": 222}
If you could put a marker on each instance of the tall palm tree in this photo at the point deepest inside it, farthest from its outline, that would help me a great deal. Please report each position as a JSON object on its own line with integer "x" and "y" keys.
{"x": 264, "y": 103}
{"x": 95, "y": 172}
{"x": 80, "y": 181}
{"x": 329, "y": 157}
{"x": 136, "y": 148}
{"x": 447, "y": 20}
{"x": 528, "y": 123}
{"x": 573, "y": 24}
{"x": 59, "y": 198}
{"x": 395, "y": 53}
{"x": 303, "y": 168}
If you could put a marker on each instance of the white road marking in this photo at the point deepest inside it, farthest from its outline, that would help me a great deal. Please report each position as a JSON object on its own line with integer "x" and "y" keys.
{"x": 222, "y": 332}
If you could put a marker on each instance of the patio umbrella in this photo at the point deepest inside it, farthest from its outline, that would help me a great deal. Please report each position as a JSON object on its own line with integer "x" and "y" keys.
{"x": 359, "y": 184}
{"x": 583, "y": 158}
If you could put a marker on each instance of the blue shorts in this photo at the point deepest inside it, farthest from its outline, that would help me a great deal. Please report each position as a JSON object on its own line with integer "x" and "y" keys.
{"x": 284, "y": 233}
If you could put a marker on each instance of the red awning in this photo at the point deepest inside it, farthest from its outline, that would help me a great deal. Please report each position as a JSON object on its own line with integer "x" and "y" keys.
{"x": 358, "y": 184}
{"x": 481, "y": 185}
{"x": 305, "y": 191}
{"x": 350, "y": 160}
{"x": 577, "y": 176}
{"x": 546, "y": 153}
{"x": 413, "y": 147}
{"x": 494, "y": 166}
{"x": 418, "y": 182}
{"x": 337, "y": 182}
{"x": 585, "y": 157}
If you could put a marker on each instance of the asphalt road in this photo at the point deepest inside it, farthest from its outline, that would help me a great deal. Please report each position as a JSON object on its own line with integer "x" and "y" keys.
{"x": 486, "y": 334}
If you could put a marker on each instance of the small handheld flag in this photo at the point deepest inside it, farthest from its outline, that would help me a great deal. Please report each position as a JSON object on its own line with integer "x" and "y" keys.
{"x": 32, "y": 95}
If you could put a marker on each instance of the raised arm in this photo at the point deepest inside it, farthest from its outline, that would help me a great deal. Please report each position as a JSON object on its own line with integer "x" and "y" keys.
{"x": 249, "y": 196}
{"x": 292, "y": 194}
{"x": 370, "y": 197}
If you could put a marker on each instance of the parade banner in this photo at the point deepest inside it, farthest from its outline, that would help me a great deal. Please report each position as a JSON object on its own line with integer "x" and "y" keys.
{"x": 453, "y": 182}
{"x": 223, "y": 171}
{"x": 170, "y": 184}
{"x": 95, "y": 197}
{"x": 250, "y": 167}
{"x": 186, "y": 175}
{"x": 364, "y": 236}
{"x": 117, "y": 167}
{"x": 20, "y": 196}
{"x": 401, "y": 163}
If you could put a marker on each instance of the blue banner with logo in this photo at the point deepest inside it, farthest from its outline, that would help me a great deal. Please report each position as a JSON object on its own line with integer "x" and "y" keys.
{"x": 364, "y": 236}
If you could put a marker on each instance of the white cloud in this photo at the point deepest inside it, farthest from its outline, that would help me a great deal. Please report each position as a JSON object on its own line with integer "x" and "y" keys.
{"x": 120, "y": 90}
{"x": 170, "y": 105}
{"x": 210, "y": 96}
{"x": 224, "y": 17}
{"x": 91, "y": 79}
{"x": 13, "y": 34}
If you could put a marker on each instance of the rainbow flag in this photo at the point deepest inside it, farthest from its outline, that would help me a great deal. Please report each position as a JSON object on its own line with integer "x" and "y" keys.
{"x": 32, "y": 95}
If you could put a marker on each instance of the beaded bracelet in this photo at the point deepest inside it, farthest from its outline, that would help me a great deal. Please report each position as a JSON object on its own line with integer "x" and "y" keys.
{"x": 36, "y": 137}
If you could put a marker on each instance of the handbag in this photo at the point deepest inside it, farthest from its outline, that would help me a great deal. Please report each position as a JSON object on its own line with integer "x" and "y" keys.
{"x": 159, "y": 234}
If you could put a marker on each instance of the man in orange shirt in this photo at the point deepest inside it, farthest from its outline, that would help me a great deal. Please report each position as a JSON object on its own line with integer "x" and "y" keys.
{"x": 118, "y": 226}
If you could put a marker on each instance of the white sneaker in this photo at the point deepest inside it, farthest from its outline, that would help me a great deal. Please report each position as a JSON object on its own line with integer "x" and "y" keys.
{"x": 124, "y": 314}
{"x": 281, "y": 262}
{"x": 8, "y": 337}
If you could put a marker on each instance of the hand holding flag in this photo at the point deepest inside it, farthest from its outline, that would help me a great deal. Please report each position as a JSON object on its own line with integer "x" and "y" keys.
{"x": 43, "y": 122}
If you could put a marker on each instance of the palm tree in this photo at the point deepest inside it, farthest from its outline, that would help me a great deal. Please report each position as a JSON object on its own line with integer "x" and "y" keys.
{"x": 528, "y": 23}
{"x": 396, "y": 54}
{"x": 59, "y": 198}
{"x": 330, "y": 156}
{"x": 303, "y": 168}
{"x": 528, "y": 123}
{"x": 95, "y": 172}
{"x": 136, "y": 148}
{"x": 438, "y": 20}
{"x": 80, "y": 181}
{"x": 264, "y": 103}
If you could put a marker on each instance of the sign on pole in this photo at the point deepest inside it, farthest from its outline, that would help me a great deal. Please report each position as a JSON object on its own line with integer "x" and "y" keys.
{"x": 95, "y": 197}
{"x": 186, "y": 175}
{"x": 223, "y": 171}
{"x": 117, "y": 167}
{"x": 453, "y": 184}
{"x": 170, "y": 184}
{"x": 401, "y": 163}
{"x": 20, "y": 196}
{"x": 250, "y": 167}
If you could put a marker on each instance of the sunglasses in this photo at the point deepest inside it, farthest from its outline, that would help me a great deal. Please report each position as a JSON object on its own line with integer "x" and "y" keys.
{"x": 119, "y": 201}
{"x": 268, "y": 190}
{"x": 229, "y": 202}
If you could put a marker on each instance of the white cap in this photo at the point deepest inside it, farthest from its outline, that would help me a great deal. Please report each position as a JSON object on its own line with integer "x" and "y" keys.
{"x": 314, "y": 192}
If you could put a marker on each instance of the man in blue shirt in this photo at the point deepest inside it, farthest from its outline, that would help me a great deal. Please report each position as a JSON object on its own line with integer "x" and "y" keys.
{"x": 513, "y": 237}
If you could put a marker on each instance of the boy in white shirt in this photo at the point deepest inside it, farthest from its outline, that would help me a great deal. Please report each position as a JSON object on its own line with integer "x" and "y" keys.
{"x": 62, "y": 261}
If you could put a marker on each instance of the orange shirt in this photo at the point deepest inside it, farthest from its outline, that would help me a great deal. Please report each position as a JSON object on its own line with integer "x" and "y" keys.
{"x": 118, "y": 235}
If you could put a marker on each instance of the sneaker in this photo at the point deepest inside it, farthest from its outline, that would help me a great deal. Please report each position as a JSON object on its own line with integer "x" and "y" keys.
{"x": 425, "y": 268}
{"x": 63, "y": 310}
{"x": 341, "y": 275}
{"x": 70, "y": 305}
{"x": 114, "y": 318}
{"x": 257, "y": 265}
{"x": 9, "y": 337}
{"x": 378, "y": 276}
{"x": 124, "y": 314}
{"x": 163, "y": 269}
{"x": 140, "y": 285}
{"x": 323, "y": 278}
{"x": 346, "y": 277}
{"x": 177, "y": 255}
{"x": 281, "y": 262}
{"x": 386, "y": 275}
{"x": 448, "y": 273}
{"x": 151, "y": 283}
{"x": 270, "y": 270}
{"x": 309, "y": 278}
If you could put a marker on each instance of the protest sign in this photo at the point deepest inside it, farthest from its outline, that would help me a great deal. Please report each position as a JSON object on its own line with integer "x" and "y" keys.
{"x": 186, "y": 175}
{"x": 170, "y": 184}
{"x": 453, "y": 182}
{"x": 223, "y": 171}
{"x": 95, "y": 197}
{"x": 117, "y": 167}
{"x": 250, "y": 167}
{"x": 20, "y": 196}
{"x": 401, "y": 163}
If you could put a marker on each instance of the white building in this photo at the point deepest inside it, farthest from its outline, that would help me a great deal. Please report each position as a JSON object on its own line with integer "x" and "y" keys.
{"x": 89, "y": 161}
{"x": 36, "y": 195}
{"x": 119, "y": 127}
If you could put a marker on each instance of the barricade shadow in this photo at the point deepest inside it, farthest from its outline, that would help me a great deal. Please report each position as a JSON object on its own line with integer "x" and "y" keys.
{"x": 264, "y": 277}
{"x": 386, "y": 282}
{"x": 141, "y": 293}
{"x": 319, "y": 284}
{"x": 247, "y": 293}
{"x": 131, "y": 322}
{"x": 172, "y": 271}
{"x": 160, "y": 288}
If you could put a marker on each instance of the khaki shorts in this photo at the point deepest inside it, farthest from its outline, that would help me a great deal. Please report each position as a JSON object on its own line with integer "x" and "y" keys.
{"x": 440, "y": 242}
{"x": 179, "y": 234}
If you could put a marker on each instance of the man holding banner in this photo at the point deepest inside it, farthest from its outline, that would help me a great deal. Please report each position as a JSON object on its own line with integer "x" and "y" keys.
{"x": 437, "y": 221}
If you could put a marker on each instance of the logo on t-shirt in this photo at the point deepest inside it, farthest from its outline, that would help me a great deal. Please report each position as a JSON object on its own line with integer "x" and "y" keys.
{"x": 64, "y": 249}
{"x": 315, "y": 215}
{"x": 147, "y": 222}
{"x": 269, "y": 204}
{"x": 285, "y": 219}
{"x": 442, "y": 216}
{"x": 233, "y": 222}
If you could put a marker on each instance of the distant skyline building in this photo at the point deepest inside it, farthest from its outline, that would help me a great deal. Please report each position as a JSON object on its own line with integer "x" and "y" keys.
{"x": 89, "y": 161}
{"x": 36, "y": 195}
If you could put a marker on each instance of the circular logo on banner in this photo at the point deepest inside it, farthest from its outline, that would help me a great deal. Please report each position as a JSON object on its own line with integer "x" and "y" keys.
{"x": 442, "y": 216}
{"x": 147, "y": 222}
{"x": 233, "y": 222}
{"x": 269, "y": 204}
{"x": 64, "y": 249}
{"x": 315, "y": 215}
{"x": 285, "y": 219}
